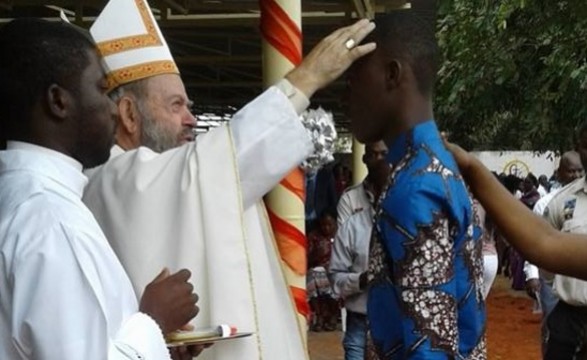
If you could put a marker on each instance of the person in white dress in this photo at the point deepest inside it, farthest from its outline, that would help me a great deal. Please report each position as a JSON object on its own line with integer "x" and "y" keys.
{"x": 63, "y": 293}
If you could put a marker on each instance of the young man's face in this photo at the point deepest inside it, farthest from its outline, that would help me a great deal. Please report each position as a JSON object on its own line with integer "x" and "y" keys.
{"x": 168, "y": 121}
{"x": 95, "y": 115}
{"x": 367, "y": 103}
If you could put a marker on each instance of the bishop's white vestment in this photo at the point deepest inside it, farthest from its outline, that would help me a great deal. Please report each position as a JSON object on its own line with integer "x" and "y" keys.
{"x": 198, "y": 207}
{"x": 63, "y": 293}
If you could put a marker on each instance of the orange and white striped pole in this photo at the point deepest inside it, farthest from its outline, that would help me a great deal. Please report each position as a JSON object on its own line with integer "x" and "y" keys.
{"x": 282, "y": 51}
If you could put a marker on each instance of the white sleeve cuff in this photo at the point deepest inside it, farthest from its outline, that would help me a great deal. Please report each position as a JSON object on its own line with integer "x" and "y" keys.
{"x": 140, "y": 337}
{"x": 531, "y": 271}
{"x": 354, "y": 283}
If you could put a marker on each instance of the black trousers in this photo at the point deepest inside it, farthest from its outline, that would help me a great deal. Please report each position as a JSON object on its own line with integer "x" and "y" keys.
{"x": 567, "y": 327}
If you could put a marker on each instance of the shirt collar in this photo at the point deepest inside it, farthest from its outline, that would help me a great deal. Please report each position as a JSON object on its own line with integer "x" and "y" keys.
{"x": 419, "y": 134}
{"x": 59, "y": 167}
{"x": 20, "y": 145}
{"x": 116, "y": 150}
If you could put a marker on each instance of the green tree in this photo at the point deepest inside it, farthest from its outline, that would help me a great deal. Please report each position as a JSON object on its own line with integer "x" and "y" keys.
{"x": 514, "y": 73}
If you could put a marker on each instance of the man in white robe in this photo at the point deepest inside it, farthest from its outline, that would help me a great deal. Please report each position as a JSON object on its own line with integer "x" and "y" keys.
{"x": 198, "y": 205}
{"x": 63, "y": 293}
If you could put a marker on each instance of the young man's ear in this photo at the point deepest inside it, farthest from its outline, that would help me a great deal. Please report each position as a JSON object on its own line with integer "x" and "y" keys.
{"x": 393, "y": 74}
{"x": 58, "y": 101}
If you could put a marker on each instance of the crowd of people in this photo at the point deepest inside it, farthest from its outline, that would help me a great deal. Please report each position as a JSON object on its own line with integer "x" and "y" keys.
{"x": 344, "y": 263}
{"x": 338, "y": 278}
{"x": 119, "y": 228}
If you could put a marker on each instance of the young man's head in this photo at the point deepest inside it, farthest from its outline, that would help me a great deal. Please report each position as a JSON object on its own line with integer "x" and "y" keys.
{"x": 570, "y": 168}
{"x": 53, "y": 90}
{"x": 396, "y": 80}
{"x": 154, "y": 112}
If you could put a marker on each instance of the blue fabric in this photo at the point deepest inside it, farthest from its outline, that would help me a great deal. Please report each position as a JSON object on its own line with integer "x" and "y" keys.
{"x": 548, "y": 300}
{"x": 320, "y": 193}
{"x": 426, "y": 265}
{"x": 355, "y": 337}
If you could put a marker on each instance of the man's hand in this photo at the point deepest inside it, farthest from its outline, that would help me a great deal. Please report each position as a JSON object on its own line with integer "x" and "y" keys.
{"x": 331, "y": 57}
{"x": 532, "y": 287}
{"x": 169, "y": 300}
{"x": 464, "y": 160}
{"x": 363, "y": 281}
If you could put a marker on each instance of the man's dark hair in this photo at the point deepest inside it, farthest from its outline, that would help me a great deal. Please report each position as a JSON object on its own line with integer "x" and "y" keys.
{"x": 408, "y": 37}
{"x": 36, "y": 54}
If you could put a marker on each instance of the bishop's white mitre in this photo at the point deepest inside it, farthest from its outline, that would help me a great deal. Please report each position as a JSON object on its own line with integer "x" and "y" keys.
{"x": 130, "y": 42}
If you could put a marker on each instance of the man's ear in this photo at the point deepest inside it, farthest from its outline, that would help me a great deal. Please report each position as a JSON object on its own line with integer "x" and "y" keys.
{"x": 128, "y": 115}
{"x": 59, "y": 101}
{"x": 393, "y": 74}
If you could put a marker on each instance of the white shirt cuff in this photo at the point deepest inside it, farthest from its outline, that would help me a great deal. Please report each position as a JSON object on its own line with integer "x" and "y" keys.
{"x": 531, "y": 271}
{"x": 140, "y": 337}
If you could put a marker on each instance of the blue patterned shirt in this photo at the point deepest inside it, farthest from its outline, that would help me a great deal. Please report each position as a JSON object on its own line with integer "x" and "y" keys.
{"x": 426, "y": 266}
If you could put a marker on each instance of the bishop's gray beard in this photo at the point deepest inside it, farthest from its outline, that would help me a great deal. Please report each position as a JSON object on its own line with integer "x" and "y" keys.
{"x": 154, "y": 135}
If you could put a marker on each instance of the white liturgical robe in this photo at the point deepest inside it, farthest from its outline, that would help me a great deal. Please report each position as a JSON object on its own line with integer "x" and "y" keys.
{"x": 197, "y": 206}
{"x": 63, "y": 293}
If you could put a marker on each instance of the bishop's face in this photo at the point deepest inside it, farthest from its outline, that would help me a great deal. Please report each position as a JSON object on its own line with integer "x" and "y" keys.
{"x": 167, "y": 120}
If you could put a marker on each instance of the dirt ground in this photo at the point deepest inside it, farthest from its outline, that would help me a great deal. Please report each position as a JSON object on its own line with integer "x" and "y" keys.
{"x": 513, "y": 332}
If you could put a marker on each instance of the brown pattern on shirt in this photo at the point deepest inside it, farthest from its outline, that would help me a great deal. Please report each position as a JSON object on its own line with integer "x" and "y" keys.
{"x": 435, "y": 315}
{"x": 479, "y": 352}
{"x": 429, "y": 256}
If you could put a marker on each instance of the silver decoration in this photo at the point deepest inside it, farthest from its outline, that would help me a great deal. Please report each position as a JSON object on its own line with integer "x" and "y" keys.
{"x": 320, "y": 126}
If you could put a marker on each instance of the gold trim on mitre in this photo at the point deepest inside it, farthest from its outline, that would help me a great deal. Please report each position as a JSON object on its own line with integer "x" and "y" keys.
{"x": 140, "y": 71}
{"x": 151, "y": 38}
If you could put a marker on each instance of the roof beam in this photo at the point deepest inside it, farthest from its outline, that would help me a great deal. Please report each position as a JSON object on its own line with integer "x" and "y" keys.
{"x": 183, "y": 9}
{"x": 360, "y": 8}
{"x": 253, "y": 6}
{"x": 79, "y": 12}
